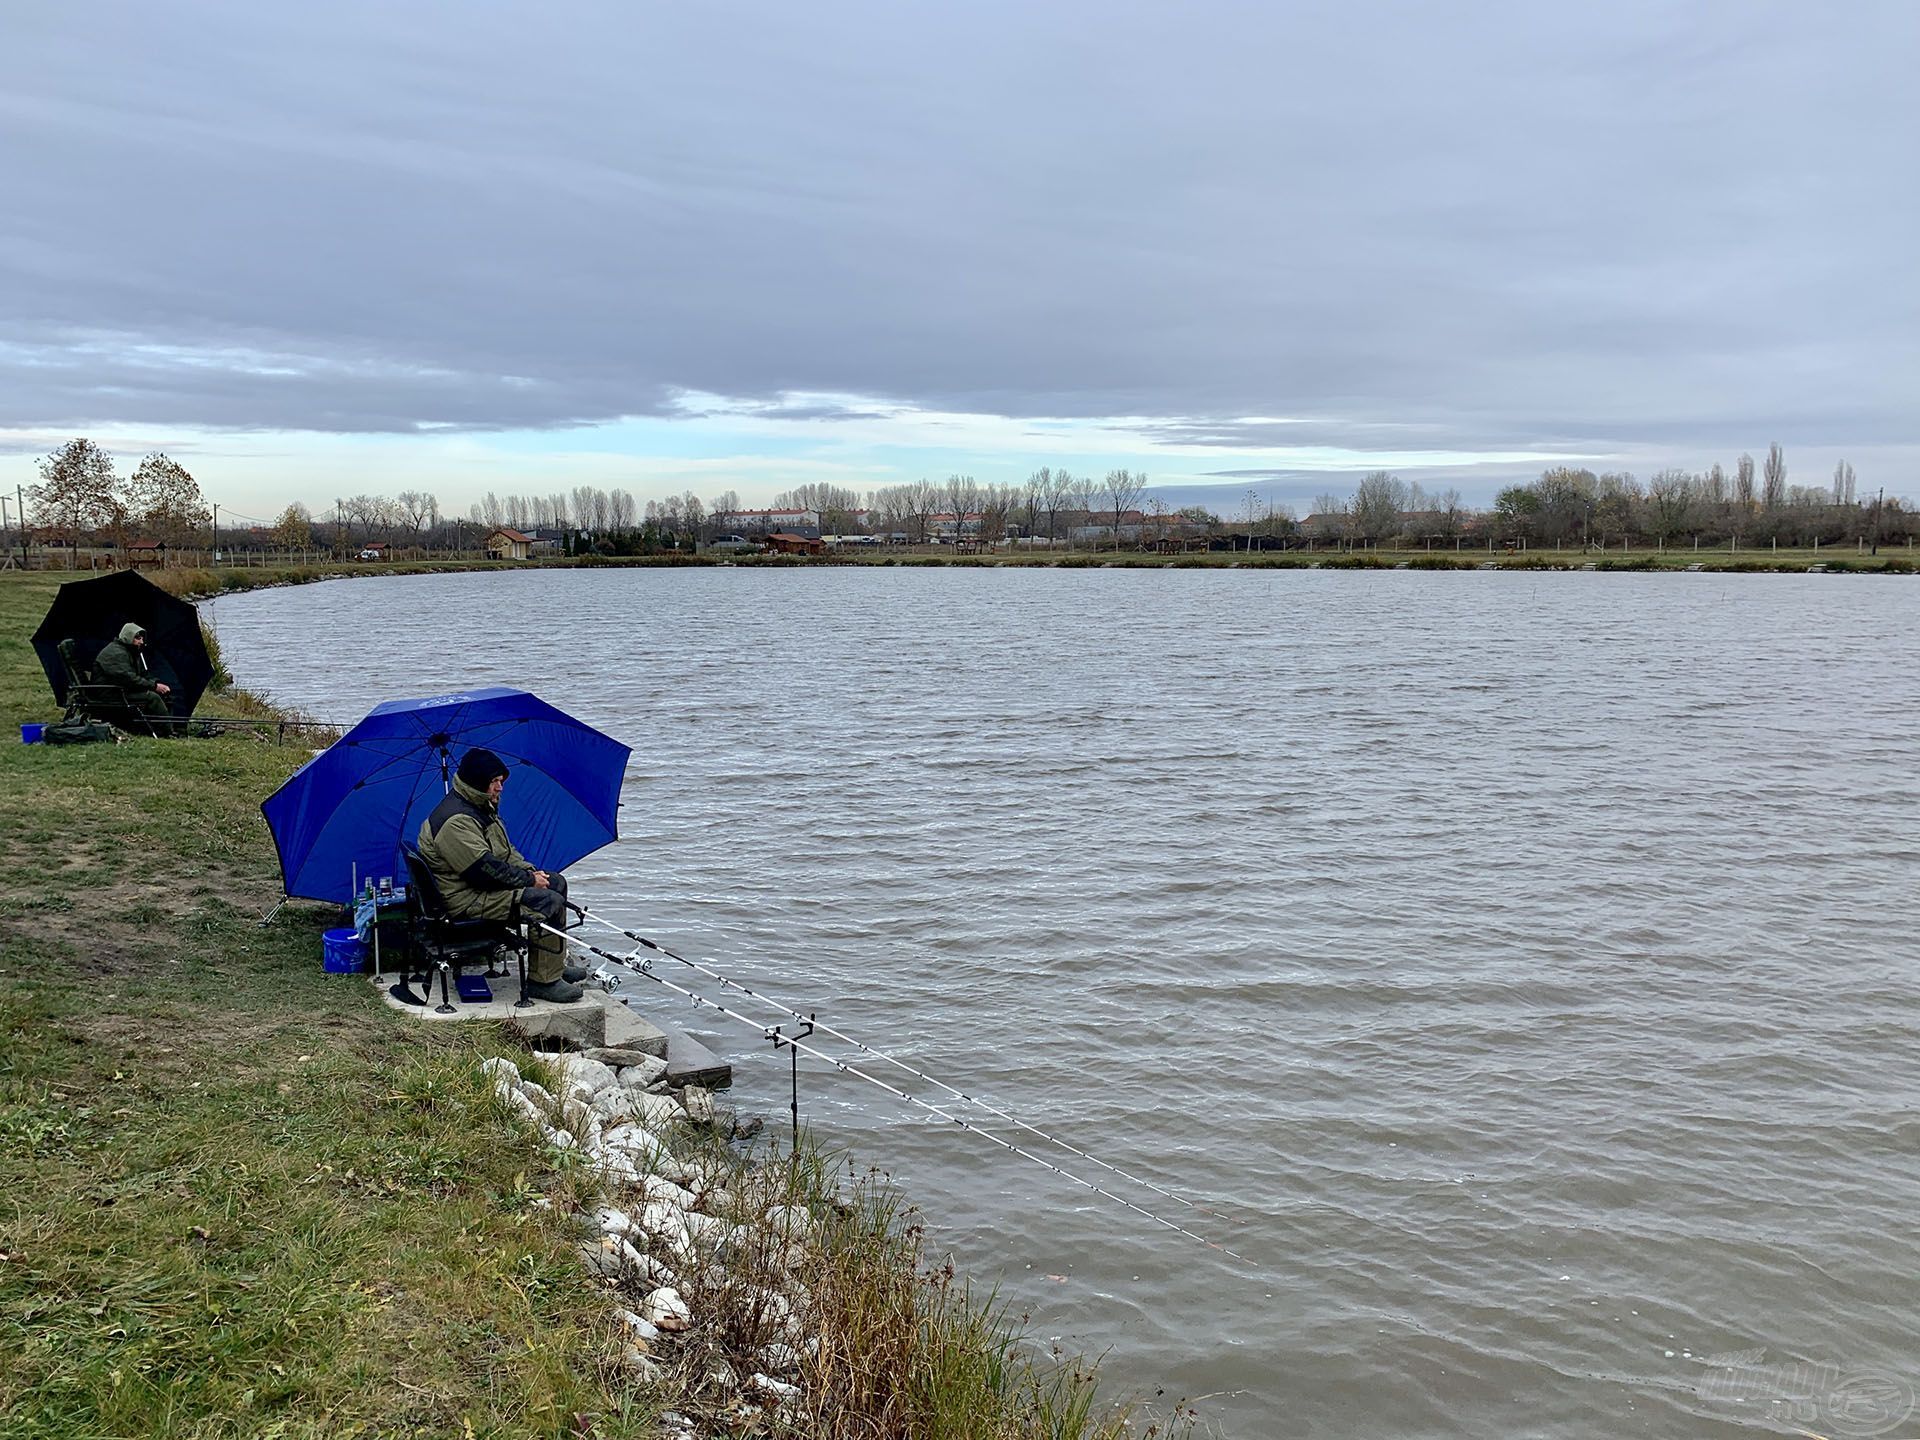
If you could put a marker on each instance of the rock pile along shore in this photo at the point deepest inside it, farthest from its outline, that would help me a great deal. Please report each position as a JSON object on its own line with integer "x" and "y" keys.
{"x": 702, "y": 1256}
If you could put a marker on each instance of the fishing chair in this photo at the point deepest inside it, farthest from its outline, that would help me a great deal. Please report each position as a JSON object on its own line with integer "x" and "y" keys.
{"x": 97, "y": 700}
{"x": 444, "y": 944}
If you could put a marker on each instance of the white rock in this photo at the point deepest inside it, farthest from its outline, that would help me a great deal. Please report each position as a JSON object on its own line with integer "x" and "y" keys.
{"x": 665, "y": 1308}
{"x": 621, "y": 1103}
{"x": 538, "y": 1094}
{"x": 583, "y": 1077}
{"x": 672, "y": 1168}
{"x": 644, "y": 1148}
{"x": 656, "y": 1217}
{"x": 574, "y": 1113}
{"x": 602, "y": 1256}
{"x": 652, "y": 1274}
{"x": 613, "y": 1222}
{"x": 561, "y": 1139}
{"x": 641, "y": 1329}
{"x": 498, "y": 1069}
{"x": 658, "y": 1187}
{"x": 618, "y": 1165}
{"x": 778, "y": 1391}
{"x": 614, "y": 1104}
{"x": 636, "y": 1361}
{"x": 643, "y": 1074}
{"x": 667, "y": 1224}
{"x": 520, "y": 1105}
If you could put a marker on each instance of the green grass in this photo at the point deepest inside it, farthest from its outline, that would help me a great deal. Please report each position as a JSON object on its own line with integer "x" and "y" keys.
{"x": 237, "y": 1197}
{"x": 240, "y": 1198}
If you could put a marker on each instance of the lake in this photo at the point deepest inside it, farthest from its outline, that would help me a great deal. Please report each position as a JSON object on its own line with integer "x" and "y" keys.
{"x": 1522, "y": 966}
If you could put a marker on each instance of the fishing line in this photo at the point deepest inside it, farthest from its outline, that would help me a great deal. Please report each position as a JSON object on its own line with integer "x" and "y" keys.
{"x": 881, "y": 1055}
{"x": 644, "y": 968}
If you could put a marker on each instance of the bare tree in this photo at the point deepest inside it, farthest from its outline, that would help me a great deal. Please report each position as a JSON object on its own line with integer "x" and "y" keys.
{"x": 835, "y": 504}
{"x": 1059, "y": 496}
{"x": 922, "y": 502}
{"x": 1450, "y": 512}
{"x": 1328, "y": 521}
{"x": 1670, "y": 501}
{"x": 76, "y": 491}
{"x": 1843, "y": 484}
{"x": 1713, "y": 486}
{"x": 164, "y": 500}
{"x": 1776, "y": 477}
{"x": 960, "y": 496}
{"x": 1122, "y": 490}
{"x": 1379, "y": 502}
{"x": 418, "y": 508}
{"x": 996, "y": 503}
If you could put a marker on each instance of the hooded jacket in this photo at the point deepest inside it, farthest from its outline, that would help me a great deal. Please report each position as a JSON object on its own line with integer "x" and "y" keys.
{"x": 464, "y": 842}
{"x": 120, "y": 664}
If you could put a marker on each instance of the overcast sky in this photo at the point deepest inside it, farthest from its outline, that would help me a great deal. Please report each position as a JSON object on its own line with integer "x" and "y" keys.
{"x": 318, "y": 249}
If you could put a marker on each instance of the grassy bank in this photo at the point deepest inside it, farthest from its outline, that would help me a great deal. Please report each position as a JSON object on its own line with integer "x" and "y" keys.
{"x": 240, "y": 1198}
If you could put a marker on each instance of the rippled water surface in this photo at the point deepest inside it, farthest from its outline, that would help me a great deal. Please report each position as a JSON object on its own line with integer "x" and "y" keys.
{"x": 1523, "y": 966}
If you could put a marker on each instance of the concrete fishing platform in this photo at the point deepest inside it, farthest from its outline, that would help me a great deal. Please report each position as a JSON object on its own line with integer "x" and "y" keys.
{"x": 598, "y": 1020}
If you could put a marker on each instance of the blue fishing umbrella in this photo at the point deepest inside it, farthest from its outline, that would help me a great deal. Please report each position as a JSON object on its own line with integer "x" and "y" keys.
{"x": 347, "y": 810}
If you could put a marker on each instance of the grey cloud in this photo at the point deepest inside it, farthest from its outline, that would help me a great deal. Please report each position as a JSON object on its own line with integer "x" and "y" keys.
{"x": 1490, "y": 228}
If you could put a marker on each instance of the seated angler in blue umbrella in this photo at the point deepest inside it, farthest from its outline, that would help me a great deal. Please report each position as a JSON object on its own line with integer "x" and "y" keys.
{"x": 484, "y": 877}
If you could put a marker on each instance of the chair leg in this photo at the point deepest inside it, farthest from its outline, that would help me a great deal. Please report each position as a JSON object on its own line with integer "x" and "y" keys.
{"x": 525, "y": 999}
{"x": 445, "y": 1007}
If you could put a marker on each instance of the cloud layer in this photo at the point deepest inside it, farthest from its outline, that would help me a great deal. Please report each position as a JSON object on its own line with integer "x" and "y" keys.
{"x": 1395, "y": 227}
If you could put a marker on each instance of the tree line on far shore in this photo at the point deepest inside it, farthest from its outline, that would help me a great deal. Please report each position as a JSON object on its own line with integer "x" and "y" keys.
{"x": 81, "y": 493}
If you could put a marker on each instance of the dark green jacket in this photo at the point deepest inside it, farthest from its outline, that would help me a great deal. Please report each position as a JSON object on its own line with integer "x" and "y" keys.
{"x": 463, "y": 841}
{"x": 120, "y": 664}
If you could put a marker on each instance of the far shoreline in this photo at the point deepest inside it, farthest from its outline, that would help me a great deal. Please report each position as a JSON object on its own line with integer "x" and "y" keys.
{"x": 208, "y": 583}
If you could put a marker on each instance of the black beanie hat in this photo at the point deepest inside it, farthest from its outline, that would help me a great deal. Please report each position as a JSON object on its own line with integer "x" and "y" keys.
{"x": 478, "y": 767}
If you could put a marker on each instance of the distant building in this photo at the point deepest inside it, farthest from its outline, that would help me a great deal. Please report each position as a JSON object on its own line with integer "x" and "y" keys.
{"x": 804, "y": 523}
{"x": 782, "y": 543}
{"x": 146, "y": 552}
{"x": 374, "y": 550}
{"x": 506, "y": 543}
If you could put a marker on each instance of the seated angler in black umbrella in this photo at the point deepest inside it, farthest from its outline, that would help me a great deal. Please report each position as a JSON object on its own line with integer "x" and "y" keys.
{"x": 123, "y": 662}
{"x": 482, "y": 876}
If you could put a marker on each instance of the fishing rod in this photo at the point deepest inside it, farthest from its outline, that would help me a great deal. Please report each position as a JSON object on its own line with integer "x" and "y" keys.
{"x": 644, "y": 967}
{"x": 881, "y": 1055}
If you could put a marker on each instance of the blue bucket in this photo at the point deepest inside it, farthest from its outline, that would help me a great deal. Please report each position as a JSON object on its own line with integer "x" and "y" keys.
{"x": 30, "y": 734}
{"x": 342, "y": 952}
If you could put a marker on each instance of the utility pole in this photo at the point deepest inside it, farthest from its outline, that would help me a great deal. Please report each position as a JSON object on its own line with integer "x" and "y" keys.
{"x": 1879, "y": 500}
{"x": 216, "y": 530}
{"x": 20, "y": 500}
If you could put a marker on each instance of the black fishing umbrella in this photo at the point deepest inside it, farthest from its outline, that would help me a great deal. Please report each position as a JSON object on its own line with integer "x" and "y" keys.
{"x": 91, "y": 612}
